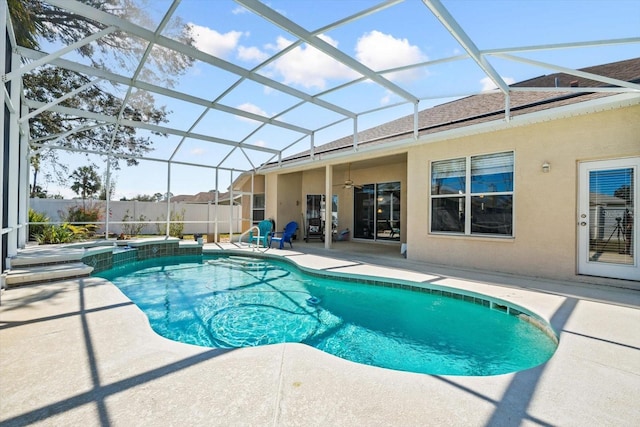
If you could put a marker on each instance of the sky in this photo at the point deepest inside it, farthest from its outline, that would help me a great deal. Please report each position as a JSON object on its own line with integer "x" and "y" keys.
{"x": 402, "y": 34}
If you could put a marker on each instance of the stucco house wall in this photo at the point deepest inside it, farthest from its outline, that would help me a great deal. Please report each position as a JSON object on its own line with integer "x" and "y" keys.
{"x": 545, "y": 204}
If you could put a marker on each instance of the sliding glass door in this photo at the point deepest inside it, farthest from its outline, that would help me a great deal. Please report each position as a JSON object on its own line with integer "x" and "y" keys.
{"x": 376, "y": 211}
{"x": 363, "y": 211}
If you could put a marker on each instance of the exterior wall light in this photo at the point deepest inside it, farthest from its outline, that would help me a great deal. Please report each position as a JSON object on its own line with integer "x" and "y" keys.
{"x": 546, "y": 167}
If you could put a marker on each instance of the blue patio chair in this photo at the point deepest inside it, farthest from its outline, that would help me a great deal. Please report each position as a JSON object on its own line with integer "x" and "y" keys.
{"x": 286, "y": 235}
{"x": 263, "y": 237}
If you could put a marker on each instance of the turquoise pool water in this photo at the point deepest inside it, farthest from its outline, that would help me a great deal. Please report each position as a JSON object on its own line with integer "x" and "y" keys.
{"x": 231, "y": 302}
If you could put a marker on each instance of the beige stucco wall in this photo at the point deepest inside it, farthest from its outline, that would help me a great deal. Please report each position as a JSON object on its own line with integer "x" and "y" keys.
{"x": 289, "y": 203}
{"x": 545, "y": 205}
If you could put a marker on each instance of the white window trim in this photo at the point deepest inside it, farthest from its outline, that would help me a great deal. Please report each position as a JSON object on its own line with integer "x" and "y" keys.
{"x": 467, "y": 200}
{"x": 255, "y": 209}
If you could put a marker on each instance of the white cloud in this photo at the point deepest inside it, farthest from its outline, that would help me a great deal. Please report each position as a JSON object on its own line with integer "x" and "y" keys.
{"x": 251, "y": 108}
{"x": 260, "y": 143}
{"x": 380, "y": 51}
{"x": 386, "y": 99}
{"x": 239, "y": 10}
{"x": 197, "y": 151}
{"x": 488, "y": 84}
{"x": 214, "y": 43}
{"x": 308, "y": 67}
{"x": 251, "y": 54}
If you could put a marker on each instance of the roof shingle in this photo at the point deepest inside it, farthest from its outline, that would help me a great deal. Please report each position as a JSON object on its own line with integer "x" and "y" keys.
{"x": 490, "y": 106}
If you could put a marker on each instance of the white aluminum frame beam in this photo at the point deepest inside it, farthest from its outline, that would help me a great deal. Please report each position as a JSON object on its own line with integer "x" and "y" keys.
{"x": 50, "y": 146}
{"x": 126, "y": 26}
{"x": 58, "y": 136}
{"x": 57, "y": 101}
{"x": 465, "y": 41}
{"x": 555, "y": 46}
{"x": 301, "y": 33}
{"x": 48, "y": 58}
{"x": 147, "y": 126}
{"x": 149, "y": 87}
{"x": 571, "y": 71}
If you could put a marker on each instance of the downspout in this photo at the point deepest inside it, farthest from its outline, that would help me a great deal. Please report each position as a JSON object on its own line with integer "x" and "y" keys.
{"x": 507, "y": 107}
{"x": 107, "y": 197}
{"x": 328, "y": 203}
{"x": 215, "y": 224}
{"x": 251, "y": 202}
{"x": 231, "y": 206}
{"x": 415, "y": 120}
{"x": 355, "y": 133}
{"x": 168, "y": 223}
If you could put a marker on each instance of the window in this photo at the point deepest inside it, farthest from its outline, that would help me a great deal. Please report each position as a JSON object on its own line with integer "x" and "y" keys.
{"x": 258, "y": 208}
{"x": 473, "y": 195}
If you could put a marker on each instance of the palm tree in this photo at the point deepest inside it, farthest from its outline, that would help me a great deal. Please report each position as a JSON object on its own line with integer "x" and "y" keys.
{"x": 86, "y": 182}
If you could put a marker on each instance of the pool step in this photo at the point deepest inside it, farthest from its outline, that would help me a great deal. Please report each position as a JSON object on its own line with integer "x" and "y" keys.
{"x": 19, "y": 276}
{"x": 44, "y": 255}
{"x": 243, "y": 263}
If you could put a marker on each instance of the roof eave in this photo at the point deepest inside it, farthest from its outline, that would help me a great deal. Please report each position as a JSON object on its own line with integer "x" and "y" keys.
{"x": 586, "y": 107}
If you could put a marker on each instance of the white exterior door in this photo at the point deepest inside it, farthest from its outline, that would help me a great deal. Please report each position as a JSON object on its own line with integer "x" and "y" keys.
{"x": 607, "y": 218}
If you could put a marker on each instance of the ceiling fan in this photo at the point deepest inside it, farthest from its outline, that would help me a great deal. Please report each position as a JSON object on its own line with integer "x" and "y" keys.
{"x": 348, "y": 183}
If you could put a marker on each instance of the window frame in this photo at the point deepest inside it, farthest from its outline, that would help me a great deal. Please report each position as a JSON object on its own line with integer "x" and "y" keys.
{"x": 467, "y": 197}
{"x": 258, "y": 209}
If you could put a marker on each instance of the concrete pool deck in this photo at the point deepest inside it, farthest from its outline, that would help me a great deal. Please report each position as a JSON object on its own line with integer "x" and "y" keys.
{"x": 79, "y": 352}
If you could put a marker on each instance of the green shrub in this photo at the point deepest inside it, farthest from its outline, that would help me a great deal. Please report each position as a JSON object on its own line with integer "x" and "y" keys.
{"x": 83, "y": 214}
{"x": 175, "y": 228}
{"x": 131, "y": 228}
{"x": 36, "y": 229}
{"x": 52, "y": 234}
{"x": 65, "y": 233}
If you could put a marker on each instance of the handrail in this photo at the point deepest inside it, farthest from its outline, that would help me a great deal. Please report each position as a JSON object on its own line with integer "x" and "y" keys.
{"x": 250, "y": 241}
{"x": 248, "y": 230}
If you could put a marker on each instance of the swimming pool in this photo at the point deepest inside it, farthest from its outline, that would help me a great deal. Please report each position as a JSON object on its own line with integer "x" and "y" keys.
{"x": 238, "y": 301}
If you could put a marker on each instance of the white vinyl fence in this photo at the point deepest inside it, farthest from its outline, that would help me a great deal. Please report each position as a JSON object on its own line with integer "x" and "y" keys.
{"x": 198, "y": 217}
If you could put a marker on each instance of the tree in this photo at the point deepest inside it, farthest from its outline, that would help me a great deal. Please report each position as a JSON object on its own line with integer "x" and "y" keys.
{"x": 144, "y": 198}
{"x": 623, "y": 192}
{"x": 112, "y": 187}
{"x": 86, "y": 182}
{"x": 50, "y": 83}
{"x": 38, "y": 192}
{"x": 34, "y": 20}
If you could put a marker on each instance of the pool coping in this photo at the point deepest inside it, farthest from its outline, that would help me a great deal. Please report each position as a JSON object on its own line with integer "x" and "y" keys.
{"x": 78, "y": 351}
